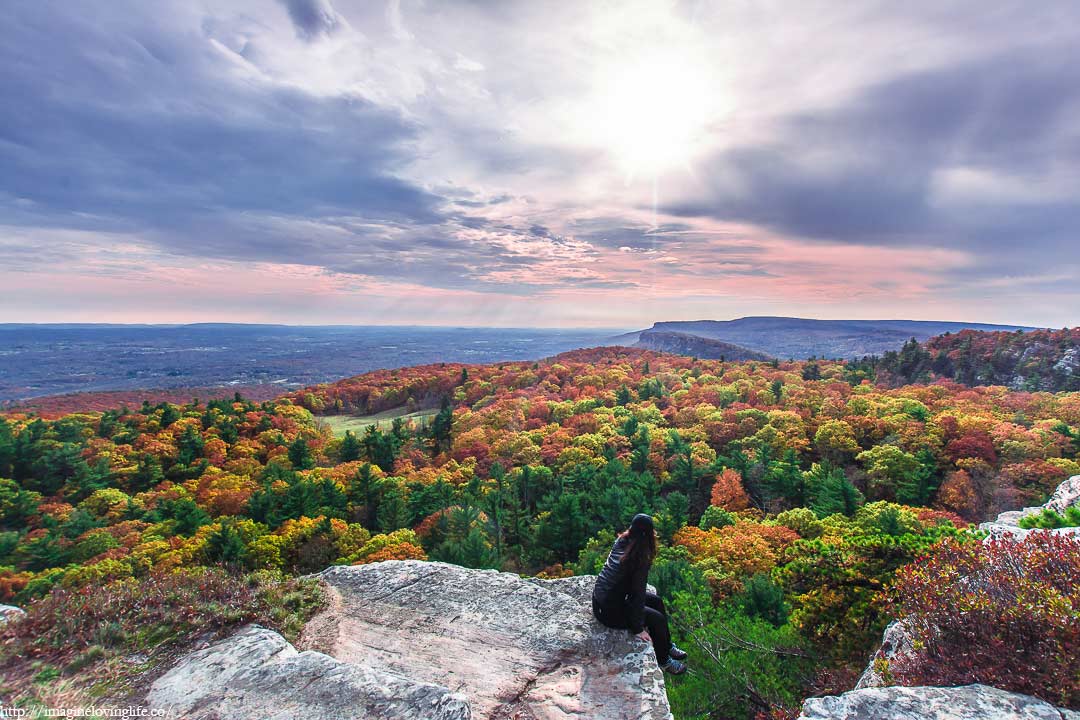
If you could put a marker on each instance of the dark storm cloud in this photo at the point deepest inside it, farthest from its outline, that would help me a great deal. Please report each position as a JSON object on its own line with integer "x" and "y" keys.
{"x": 871, "y": 172}
{"x": 104, "y": 126}
{"x": 312, "y": 18}
{"x": 115, "y": 125}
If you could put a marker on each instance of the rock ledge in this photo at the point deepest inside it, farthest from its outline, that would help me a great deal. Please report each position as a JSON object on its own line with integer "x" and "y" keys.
{"x": 968, "y": 702}
{"x": 410, "y": 639}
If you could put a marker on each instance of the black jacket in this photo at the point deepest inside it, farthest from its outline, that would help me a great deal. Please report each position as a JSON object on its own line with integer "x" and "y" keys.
{"x": 618, "y": 586}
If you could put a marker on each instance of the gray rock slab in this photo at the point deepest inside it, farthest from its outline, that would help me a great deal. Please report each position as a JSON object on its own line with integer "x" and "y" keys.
{"x": 408, "y": 640}
{"x": 968, "y": 702}
{"x": 515, "y": 648}
{"x": 255, "y": 673}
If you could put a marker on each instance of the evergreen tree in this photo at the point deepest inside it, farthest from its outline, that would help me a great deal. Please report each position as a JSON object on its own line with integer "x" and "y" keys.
{"x": 763, "y": 598}
{"x": 59, "y": 463}
{"x": 7, "y": 448}
{"x": 393, "y": 509}
{"x": 495, "y": 505}
{"x": 225, "y": 546}
{"x": 227, "y": 432}
{"x": 441, "y": 427}
{"x": 785, "y": 480}
{"x": 16, "y": 504}
{"x": 24, "y": 452}
{"x": 300, "y": 455}
{"x": 831, "y": 492}
{"x": 561, "y": 531}
{"x": 362, "y": 495}
{"x": 674, "y": 515}
{"x": 474, "y": 551}
{"x": 190, "y": 446}
{"x": 381, "y": 449}
{"x": 777, "y": 389}
{"x": 639, "y": 450}
{"x": 186, "y": 515}
{"x": 107, "y": 423}
{"x": 684, "y": 473}
{"x": 169, "y": 415}
{"x": 303, "y": 498}
{"x": 427, "y": 499}
{"x": 350, "y": 447}
{"x": 918, "y": 487}
{"x": 88, "y": 479}
{"x": 264, "y": 505}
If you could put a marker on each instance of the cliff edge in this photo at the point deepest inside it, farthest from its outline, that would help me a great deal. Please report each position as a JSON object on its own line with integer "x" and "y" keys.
{"x": 411, "y": 640}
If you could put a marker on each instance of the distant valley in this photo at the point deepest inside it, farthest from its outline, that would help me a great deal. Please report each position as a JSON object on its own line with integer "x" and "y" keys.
{"x": 262, "y": 361}
{"x": 44, "y": 360}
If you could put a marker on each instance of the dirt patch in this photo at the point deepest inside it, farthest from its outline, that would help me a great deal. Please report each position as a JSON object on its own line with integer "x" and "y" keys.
{"x": 321, "y": 631}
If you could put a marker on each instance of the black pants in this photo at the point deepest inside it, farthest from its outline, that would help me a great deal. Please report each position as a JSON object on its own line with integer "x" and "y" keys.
{"x": 617, "y": 616}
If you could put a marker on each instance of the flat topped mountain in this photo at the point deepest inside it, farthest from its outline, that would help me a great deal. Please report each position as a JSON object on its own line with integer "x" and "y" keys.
{"x": 410, "y": 639}
{"x": 800, "y": 338}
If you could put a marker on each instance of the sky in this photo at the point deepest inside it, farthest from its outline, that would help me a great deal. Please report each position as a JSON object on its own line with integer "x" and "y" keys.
{"x": 538, "y": 163}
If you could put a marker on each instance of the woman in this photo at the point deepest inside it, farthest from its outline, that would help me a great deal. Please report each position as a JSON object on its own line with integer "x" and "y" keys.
{"x": 620, "y": 598}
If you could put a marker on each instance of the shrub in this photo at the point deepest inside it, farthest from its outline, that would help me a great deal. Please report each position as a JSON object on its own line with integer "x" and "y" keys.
{"x": 1049, "y": 519}
{"x": 1001, "y": 613}
{"x": 743, "y": 667}
{"x": 77, "y": 629}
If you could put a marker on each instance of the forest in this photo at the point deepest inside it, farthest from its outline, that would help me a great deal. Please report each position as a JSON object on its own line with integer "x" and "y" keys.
{"x": 800, "y": 505}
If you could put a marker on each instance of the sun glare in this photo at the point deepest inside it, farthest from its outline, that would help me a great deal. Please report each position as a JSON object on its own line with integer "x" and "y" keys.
{"x": 651, "y": 111}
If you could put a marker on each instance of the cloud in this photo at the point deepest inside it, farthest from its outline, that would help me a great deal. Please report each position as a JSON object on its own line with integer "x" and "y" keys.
{"x": 965, "y": 156}
{"x": 407, "y": 145}
{"x": 312, "y": 18}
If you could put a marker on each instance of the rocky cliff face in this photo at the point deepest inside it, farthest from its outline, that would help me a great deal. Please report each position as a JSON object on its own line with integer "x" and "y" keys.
{"x": 408, "y": 639}
{"x": 1007, "y": 523}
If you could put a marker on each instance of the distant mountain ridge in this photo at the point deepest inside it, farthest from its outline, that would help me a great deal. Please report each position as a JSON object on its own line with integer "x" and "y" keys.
{"x": 800, "y": 338}
{"x": 696, "y": 346}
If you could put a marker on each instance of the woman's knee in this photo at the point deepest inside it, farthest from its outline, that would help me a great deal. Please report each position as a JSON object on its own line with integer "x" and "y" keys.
{"x": 654, "y": 601}
{"x": 655, "y": 619}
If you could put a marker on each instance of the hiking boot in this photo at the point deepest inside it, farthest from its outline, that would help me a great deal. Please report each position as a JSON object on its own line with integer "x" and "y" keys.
{"x": 676, "y": 653}
{"x": 673, "y": 666}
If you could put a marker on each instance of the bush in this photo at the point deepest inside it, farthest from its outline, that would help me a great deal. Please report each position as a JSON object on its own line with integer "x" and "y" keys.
{"x": 743, "y": 667}
{"x": 1049, "y": 519}
{"x": 79, "y": 628}
{"x": 1003, "y": 613}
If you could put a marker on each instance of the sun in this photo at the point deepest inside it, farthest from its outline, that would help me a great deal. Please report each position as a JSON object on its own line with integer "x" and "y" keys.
{"x": 651, "y": 111}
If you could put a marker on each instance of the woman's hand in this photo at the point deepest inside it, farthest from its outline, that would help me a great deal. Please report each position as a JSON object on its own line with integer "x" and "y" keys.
{"x": 644, "y": 635}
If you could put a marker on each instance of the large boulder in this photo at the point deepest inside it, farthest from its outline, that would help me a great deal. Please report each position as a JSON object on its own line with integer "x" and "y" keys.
{"x": 255, "y": 673}
{"x": 424, "y": 635}
{"x": 969, "y": 702}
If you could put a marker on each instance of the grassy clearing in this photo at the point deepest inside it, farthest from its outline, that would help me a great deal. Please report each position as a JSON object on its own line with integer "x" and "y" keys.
{"x": 360, "y": 423}
{"x": 108, "y": 643}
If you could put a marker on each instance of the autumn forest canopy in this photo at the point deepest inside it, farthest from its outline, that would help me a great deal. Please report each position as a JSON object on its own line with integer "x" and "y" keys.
{"x": 797, "y": 503}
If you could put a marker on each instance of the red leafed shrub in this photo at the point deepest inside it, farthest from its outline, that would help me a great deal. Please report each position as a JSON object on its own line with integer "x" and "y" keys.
{"x": 1002, "y": 613}
{"x": 141, "y": 614}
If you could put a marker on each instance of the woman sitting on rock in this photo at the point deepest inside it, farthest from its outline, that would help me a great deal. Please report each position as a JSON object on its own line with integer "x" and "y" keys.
{"x": 620, "y": 598}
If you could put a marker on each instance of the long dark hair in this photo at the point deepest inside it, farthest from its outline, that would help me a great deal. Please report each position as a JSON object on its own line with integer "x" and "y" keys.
{"x": 642, "y": 547}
